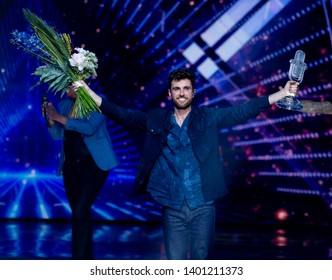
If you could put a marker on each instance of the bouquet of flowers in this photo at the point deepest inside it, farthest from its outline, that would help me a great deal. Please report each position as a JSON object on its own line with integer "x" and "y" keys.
{"x": 62, "y": 66}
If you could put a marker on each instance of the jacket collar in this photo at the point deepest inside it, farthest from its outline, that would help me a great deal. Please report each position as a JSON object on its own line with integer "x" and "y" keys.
{"x": 192, "y": 117}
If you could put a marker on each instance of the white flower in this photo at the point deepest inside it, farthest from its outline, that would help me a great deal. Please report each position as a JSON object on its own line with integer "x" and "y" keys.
{"x": 78, "y": 59}
{"x": 86, "y": 62}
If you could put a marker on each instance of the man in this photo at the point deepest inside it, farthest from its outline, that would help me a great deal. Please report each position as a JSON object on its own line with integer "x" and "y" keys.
{"x": 180, "y": 163}
{"x": 87, "y": 156}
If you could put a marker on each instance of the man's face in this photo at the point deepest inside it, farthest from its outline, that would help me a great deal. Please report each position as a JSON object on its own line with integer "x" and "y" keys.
{"x": 71, "y": 93}
{"x": 182, "y": 93}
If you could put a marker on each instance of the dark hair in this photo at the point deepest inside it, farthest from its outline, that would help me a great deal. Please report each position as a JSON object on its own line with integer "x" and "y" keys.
{"x": 180, "y": 74}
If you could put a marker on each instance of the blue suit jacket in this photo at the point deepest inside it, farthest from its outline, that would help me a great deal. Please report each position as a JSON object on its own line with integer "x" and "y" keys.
{"x": 94, "y": 133}
{"x": 203, "y": 130}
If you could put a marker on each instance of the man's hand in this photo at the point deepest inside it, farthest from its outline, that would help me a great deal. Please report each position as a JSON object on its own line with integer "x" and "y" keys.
{"x": 94, "y": 96}
{"x": 53, "y": 115}
{"x": 291, "y": 88}
{"x": 44, "y": 106}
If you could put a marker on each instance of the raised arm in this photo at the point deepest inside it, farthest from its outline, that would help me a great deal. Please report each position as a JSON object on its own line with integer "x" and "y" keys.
{"x": 126, "y": 117}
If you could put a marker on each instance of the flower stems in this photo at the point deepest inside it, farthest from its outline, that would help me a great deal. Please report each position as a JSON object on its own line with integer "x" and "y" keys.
{"x": 84, "y": 104}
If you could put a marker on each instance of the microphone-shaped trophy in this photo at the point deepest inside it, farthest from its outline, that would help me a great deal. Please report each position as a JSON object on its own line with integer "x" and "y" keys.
{"x": 295, "y": 73}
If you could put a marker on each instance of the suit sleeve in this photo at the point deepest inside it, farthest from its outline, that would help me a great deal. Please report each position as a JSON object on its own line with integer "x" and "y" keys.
{"x": 126, "y": 117}
{"x": 241, "y": 113}
{"x": 86, "y": 126}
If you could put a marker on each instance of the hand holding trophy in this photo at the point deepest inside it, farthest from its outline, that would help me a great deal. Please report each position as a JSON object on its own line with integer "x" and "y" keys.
{"x": 295, "y": 73}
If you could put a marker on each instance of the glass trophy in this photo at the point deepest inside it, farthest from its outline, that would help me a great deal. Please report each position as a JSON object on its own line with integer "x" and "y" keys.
{"x": 296, "y": 73}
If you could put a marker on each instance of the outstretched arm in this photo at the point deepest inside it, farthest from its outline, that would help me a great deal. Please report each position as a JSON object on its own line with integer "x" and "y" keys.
{"x": 127, "y": 117}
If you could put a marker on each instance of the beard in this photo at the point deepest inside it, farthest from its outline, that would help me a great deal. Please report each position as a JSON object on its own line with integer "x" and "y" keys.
{"x": 182, "y": 105}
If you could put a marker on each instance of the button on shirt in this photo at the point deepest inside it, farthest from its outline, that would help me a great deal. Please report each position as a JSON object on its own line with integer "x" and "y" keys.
{"x": 175, "y": 177}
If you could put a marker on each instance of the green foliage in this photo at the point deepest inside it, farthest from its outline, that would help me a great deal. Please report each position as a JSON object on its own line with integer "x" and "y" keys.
{"x": 51, "y": 39}
{"x": 57, "y": 79}
{"x": 54, "y": 50}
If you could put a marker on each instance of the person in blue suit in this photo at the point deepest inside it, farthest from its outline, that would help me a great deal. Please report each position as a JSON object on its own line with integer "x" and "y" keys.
{"x": 86, "y": 159}
{"x": 180, "y": 164}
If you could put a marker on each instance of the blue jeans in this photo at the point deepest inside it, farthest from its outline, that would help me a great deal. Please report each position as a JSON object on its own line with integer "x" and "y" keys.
{"x": 188, "y": 233}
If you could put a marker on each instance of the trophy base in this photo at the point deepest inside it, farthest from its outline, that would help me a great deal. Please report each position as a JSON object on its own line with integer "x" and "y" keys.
{"x": 289, "y": 103}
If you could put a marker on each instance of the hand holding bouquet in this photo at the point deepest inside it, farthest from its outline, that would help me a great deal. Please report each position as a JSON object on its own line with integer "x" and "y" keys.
{"x": 61, "y": 67}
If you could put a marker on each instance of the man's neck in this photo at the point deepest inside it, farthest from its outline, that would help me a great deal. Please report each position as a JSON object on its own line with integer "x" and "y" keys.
{"x": 181, "y": 114}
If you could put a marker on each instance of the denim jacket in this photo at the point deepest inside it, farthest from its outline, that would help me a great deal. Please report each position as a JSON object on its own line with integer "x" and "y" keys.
{"x": 203, "y": 129}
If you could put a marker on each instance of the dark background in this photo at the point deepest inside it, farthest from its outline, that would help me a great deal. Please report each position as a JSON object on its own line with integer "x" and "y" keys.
{"x": 278, "y": 166}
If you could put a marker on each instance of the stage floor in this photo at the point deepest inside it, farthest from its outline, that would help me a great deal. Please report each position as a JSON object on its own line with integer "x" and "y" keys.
{"x": 34, "y": 240}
